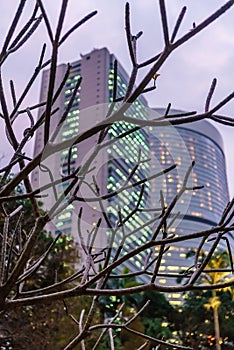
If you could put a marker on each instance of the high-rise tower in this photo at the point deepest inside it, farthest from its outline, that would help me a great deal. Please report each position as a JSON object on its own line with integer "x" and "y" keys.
{"x": 196, "y": 210}
{"x": 113, "y": 164}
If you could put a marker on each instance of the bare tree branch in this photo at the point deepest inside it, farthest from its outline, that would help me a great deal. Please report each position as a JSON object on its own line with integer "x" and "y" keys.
{"x": 79, "y": 186}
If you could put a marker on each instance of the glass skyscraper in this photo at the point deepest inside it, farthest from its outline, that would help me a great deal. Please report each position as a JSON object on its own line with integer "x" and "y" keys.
{"x": 196, "y": 210}
{"x": 113, "y": 164}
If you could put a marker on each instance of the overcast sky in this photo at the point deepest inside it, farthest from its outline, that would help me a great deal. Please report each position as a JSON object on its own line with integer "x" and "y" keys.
{"x": 184, "y": 79}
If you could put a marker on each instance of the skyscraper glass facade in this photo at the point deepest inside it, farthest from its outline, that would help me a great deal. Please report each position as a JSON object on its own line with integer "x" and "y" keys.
{"x": 196, "y": 210}
{"x": 124, "y": 155}
{"x": 114, "y": 164}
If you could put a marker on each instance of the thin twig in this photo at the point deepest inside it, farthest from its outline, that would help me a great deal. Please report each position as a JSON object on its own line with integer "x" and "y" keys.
{"x": 13, "y": 25}
{"x": 13, "y": 95}
{"x": 210, "y": 94}
{"x": 105, "y": 329}
{"x": 164, "y": 22}
{"x": 25, "y": 28}
{"x": 129, "y": 35}
{"x": 77, "y": 25}
{"x": 112, "y": 344}
{"x": 178, "y": 23}
{"x": 47, "y": 22}
{"x": 26, "y": 37}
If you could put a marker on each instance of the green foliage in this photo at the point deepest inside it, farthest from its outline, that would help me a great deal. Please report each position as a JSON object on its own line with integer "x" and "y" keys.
{"x": 156, "y": 320}
{"x": 200, "y": 307}
{"x": 155, "y": 326}
{"x": 196, "y": 322}
{"x": 38, "y": 326}
{"x": 44, "y": 326}
{"x": 59, "y": 263}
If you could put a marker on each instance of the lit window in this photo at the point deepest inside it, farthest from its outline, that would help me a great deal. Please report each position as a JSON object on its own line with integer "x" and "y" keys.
{"x": 163, "y": 281}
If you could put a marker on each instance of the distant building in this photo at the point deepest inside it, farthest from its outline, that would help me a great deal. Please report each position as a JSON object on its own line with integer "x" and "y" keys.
{"x": 113, "y": 164}
{"x": 197, "y": 210}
